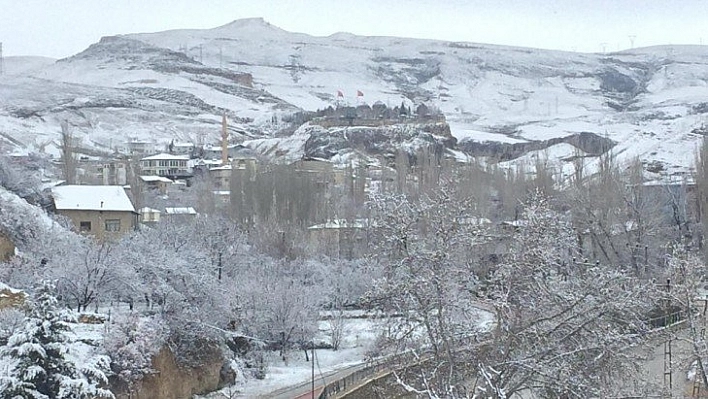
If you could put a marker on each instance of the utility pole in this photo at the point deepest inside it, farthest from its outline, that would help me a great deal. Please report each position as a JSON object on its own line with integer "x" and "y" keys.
{"x": 556, "y": 105}
{"x": 631, "y": 40}
{"x": 603, "y": 45}
{"x": 2, "y": 66}
{"x": 312, "y": 359}
{"x": 668, "y": 318}
{"x": 697, "y": 381}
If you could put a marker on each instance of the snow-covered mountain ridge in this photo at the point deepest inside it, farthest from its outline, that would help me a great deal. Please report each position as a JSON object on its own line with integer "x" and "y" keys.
{"x": 651, "y": 102}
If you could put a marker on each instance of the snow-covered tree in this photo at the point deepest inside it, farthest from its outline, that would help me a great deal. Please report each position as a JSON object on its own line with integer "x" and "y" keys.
{"x": 684, "y": 276}
{"x": 37, "y": 353}
{"x": 428, "y": 279}
{"x": 132, "y": 341}
{"x": 277, "y": 302}
{"x": 563, "y": 329}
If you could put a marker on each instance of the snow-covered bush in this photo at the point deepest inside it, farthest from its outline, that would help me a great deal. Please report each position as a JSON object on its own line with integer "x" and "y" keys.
{"x": 37, "y": 353}
{"x": 132, "y": 341}
{"x": 11, "y": 320}
{"x": 21, "y": 181}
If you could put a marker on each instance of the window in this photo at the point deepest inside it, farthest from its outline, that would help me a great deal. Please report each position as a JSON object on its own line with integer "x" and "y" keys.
{"x": 113, "y": 225}
{"x": 84, "y": 226}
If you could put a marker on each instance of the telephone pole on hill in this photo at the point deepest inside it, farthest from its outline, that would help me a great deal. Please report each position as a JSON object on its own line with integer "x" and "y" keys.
{"x": 2, "y": 61}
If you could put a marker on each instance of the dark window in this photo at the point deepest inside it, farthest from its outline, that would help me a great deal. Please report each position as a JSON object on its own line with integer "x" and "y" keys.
{"x": 84, "y": 226}
{"x": 113, "y": 225}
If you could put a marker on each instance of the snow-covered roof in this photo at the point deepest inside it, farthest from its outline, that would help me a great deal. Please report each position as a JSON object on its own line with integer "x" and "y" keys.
{"x": 92, "y": 198}
{"x": 223, "y": 167}
{"x": 340, "y": 224}
{"x": 209, "y": 162}
{"x": 149, "y": 210}
{"x": 222, "y": 192}
{"x": 164, "y": 156}
{"x": 215, "y": 148}
{"x": 676, "y": 181}
{"x": 515, "y": 223}
{"x": 473, "y": 221}
{"x": 188, "y": 210}
{"x": 50, "y": 184}
{"x": 148, "y": 179}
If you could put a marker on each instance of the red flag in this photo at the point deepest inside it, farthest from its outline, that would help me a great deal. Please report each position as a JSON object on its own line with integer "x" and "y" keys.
{"x": 359, "y": 93}
{"x": 339, "y": 93}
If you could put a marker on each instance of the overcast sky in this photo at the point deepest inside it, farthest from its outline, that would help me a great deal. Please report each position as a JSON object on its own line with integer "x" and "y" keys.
{"x": 59, "y": 28}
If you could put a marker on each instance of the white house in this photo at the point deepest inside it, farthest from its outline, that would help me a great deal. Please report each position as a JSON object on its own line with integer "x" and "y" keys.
{"x": 165, "y": 165}
{"x": 149, "y": 215}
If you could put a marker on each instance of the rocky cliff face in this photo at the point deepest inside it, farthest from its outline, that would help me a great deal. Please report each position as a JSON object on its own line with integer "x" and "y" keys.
{"x": 174, "y": 381}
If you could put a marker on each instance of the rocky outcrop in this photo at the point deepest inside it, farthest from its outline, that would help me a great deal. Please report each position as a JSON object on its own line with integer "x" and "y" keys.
{"x": 172, "y": 380}
{"x": 587, "y": 142}
{"x": 379, "y": 141}
{"x": 11, "y": 298}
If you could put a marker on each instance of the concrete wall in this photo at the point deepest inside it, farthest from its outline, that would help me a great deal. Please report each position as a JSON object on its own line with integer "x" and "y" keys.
{"x": 98, "y": 220}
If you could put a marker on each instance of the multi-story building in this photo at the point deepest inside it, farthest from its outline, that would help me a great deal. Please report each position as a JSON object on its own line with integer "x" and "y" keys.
{"x": 166, "y": 165}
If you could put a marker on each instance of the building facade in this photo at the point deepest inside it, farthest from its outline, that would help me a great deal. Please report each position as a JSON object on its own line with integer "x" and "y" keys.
{"x": 165, "y": 165}
{"x": 103, "y": 212}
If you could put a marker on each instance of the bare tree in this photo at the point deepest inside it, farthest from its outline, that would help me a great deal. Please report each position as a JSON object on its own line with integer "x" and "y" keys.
{"x": 561, "y": 330}
{"x": 68, "y": 156}
{"x": 701, "y": 194}
{"x": 428, "y": 279}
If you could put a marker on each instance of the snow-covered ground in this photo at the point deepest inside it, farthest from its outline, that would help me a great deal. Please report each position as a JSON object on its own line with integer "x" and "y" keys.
{"x": 360, "y": 333}
{"x": 646, "y": 100}
{"x": 359, "y": 336}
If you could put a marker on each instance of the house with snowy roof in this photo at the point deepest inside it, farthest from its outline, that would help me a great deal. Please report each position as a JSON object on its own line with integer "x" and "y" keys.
{"x": 149, "y": 215}
{"x": 179, "y": 214}
{"x": 104, "y": 212}
{"x": 167, "y": 165}
{"x": 157, "y": 183}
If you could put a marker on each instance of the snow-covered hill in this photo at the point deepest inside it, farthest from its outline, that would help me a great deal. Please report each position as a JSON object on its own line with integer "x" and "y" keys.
{"x": 157, "y": 86}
